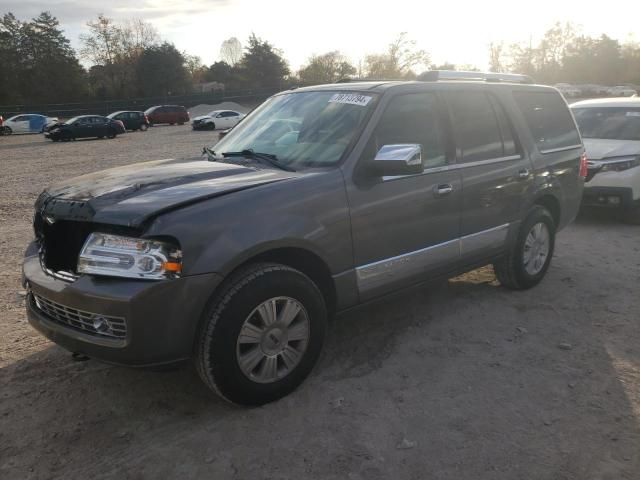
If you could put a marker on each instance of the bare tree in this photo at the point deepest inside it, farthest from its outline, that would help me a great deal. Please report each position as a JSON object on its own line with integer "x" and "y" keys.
{"x": 496, "y": 54}
{"x": 398, "y": 61}
{"x": 231, "y": 51}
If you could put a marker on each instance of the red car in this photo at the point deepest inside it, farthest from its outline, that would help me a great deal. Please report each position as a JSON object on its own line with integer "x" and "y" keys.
{"x": 170, "y": 114}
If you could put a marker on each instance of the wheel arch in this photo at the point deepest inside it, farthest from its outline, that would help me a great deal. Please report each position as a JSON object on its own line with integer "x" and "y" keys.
{"x": 551, "y": 203}
{"x": 300, "y": 258}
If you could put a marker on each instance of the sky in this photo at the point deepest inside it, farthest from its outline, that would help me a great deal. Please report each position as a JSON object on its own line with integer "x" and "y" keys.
{"x": 455, "y": 31}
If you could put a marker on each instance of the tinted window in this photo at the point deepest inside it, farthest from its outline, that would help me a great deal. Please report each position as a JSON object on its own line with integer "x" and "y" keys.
{"x": 506, "y": 129}
{"x": 412, "y": 118}
{"x": 21, "y": 118}
{"x": 478, "y": 134}
{"x": 548, "y": 118}
{"x": 613, "y": 123}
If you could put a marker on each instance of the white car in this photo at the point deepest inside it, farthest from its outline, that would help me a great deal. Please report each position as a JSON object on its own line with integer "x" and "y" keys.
{"x": 28, "y": 123}
{"x": 217, "y": 120}
{"x": 568, "y": 90}
{"x": 622, "y": 91}
{"x": 610, "y": 129}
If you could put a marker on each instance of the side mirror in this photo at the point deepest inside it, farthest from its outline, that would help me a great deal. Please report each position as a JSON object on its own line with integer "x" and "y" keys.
{"x": 398, "y": 159}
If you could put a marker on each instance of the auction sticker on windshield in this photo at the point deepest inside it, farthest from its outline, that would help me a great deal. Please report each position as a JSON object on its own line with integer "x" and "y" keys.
{"x": 351, "y": 98}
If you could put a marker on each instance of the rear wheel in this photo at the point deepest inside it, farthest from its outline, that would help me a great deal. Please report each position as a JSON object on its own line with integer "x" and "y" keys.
{"x": 528, "y": 259}
{"x": 262, "y": 335}
{"x": 143, "y": 127}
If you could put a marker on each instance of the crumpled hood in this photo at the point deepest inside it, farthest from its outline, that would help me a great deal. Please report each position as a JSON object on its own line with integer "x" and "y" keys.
{"x": 598, "y": 148}
{"x": 201, "y": 117}
{"x": 132, "y": 194}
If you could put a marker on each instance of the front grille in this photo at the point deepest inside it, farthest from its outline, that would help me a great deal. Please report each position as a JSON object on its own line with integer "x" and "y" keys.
{"x": 90, "y": 323}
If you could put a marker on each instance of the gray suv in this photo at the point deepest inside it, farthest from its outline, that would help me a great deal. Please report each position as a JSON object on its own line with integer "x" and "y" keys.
{"x": 321, "y": 199}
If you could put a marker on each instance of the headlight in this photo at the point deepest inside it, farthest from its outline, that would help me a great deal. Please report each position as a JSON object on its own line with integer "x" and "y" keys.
{"x": 621, "y": 164}
{"x": 116, "y": 256}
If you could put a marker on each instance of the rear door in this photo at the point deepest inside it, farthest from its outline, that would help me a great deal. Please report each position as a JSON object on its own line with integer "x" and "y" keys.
{"x": 20, "y": 124}
{"x": 406, "y": 227}
{"x": 496, "y": 173}
{"x": 99, "y": 126}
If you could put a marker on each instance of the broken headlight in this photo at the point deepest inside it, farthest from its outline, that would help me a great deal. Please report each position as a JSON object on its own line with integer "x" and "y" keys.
{"x": 118, "y": 256}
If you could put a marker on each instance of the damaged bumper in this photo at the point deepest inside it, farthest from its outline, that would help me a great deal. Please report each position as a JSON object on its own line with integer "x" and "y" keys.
{"x": 120, "y": 321}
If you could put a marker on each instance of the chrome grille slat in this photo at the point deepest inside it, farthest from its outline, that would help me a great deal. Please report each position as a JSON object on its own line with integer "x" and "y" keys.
{"x": 81, "y": 320}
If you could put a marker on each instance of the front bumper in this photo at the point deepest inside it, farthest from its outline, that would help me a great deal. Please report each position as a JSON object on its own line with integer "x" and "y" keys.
{"x": 161, "y": 317}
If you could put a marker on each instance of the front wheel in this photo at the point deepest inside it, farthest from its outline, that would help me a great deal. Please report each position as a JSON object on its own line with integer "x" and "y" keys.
{"x": 111, "y": 134}
{"x": 262, "y": 335}
{"x": 529, "y": 257}
{"x": 7, "y": 131}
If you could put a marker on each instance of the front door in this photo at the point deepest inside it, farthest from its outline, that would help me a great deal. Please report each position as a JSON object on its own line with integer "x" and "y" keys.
{"x": 496, "y": 172}
{"x": 406, "y": 227}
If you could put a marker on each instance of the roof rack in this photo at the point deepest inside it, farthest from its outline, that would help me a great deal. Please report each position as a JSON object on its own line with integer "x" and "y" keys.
{"x": 435, "y": 75}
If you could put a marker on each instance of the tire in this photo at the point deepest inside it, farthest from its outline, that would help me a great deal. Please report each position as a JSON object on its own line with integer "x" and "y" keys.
{"x": 144, "y": 127}
{"x": 172, "y": 123}
{"x": 235, "y": 310}
{"x": 111, "y": 134}
{"x": 511, "y": 270}
{"x": 211, "y": 126}
{"x": 8, "y": 131}
{"x": 100, "y": 137}
{"x": 67, "y": 137}
{"x": 151, "y": 124}
{"x": 180, "y": 123}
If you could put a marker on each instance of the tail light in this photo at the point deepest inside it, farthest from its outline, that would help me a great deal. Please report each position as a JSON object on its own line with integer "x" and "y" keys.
{"x": 584, "y": 168}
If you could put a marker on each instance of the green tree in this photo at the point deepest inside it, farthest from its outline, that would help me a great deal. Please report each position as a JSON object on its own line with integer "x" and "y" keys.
{"x": 262, "y": 65}
{"x": 37, "y": 62}
{"x": 161, "y": 71}
{"x": 327, "y": 68}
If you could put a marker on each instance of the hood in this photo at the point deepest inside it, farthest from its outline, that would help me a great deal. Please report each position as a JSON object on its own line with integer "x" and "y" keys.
{"x": 132, "y": 194}
{"x": 600, "y": 148}
{"x": 201, "y": 117}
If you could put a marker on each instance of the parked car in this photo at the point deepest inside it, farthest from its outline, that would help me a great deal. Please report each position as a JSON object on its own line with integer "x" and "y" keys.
{"x": 170, "y": 114}
{"x": 622, "y": 91}
{"x": 611, "y": 132}
{"x": 238, "y": 262}
{"x": 28, "y": 123}
{"x": 217, "y": 119}
{"x": 132, "y": 120}
{"x": 86, "y": 126}
{"x": 569, "y": 91}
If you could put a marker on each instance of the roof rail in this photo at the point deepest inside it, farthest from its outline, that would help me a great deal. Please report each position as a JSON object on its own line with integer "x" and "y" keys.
{"x": 435, "y": 75}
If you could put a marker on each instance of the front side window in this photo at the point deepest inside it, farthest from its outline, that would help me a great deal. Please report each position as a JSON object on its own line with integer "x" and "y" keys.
{"x": 478, "y": 134}
{"x": 412, "y": 118}
{"x": 302, "y": 128}
{"x": 611, "y": 123}
{"x": 548, "y": 119}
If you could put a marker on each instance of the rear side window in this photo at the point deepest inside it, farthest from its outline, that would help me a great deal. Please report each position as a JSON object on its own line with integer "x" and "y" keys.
{"x": 478, "y": 132}
{"x": 412, "y": 118}
{"x": 549, "y": 120}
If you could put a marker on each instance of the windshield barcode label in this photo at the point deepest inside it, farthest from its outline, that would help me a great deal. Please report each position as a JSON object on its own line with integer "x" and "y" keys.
{"x": 351, "y": 98}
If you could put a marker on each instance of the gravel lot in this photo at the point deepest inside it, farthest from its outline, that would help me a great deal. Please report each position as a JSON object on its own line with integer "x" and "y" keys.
{"x": 458, "y": 380}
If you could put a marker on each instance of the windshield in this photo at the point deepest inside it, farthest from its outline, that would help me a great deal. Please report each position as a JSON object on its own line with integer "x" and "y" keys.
{"x": 301, "y": 128}
{"x": 613, "y": 123}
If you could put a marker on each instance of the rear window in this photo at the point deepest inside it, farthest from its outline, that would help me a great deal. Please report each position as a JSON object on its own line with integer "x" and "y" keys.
{"x": 548, "y": 119}
{"x": 612, "y": 123}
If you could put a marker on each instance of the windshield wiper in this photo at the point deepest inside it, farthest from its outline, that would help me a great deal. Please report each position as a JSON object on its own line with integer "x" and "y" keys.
{"x": 269, "y": 158}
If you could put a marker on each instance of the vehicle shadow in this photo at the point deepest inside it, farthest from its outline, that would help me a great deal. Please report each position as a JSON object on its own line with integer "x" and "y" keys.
{"x": 461, "y": 378}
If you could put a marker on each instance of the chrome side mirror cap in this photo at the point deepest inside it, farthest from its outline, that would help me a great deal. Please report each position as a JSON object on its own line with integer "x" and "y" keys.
{"x": 398, "y": 159}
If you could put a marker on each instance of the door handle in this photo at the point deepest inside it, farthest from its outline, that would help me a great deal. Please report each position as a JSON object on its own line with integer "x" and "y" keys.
{"x": 443, "y": 189}
{"x": 523, "y": 174}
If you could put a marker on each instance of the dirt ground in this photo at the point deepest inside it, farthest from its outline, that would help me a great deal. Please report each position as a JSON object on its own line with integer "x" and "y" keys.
{"x": 458, "y": 380}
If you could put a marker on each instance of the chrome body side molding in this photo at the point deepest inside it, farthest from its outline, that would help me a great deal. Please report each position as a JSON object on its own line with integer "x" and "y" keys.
{"x": 377, "y": 274}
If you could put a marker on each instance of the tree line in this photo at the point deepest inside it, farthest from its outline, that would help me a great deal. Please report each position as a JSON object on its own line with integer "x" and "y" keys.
{"x": 130, "y": 59}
